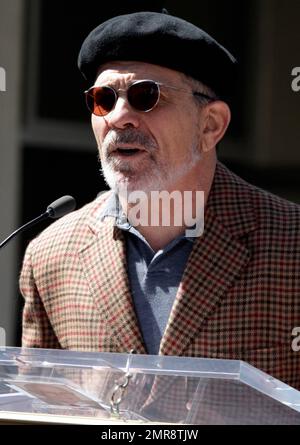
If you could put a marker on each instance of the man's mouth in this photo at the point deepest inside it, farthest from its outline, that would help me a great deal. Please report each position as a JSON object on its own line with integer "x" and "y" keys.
{"x": 127, "y": 151}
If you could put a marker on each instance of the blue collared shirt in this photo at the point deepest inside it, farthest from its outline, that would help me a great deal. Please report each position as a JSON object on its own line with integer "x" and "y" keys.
{"x": 154, "y": 277}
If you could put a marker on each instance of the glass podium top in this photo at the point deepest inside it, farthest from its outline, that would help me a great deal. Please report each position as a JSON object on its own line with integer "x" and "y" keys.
{"x": 62, "y": 386}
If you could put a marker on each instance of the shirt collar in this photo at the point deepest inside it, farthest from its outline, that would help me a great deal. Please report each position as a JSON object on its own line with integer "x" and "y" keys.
{"x": 112, "y": 209}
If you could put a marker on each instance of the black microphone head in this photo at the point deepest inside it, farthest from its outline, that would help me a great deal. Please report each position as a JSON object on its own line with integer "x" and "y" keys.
{"x": 61, "y": 207}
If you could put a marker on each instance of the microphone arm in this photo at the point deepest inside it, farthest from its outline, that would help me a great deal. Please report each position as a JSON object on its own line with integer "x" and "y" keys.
{"x": 26, "y": 226}
{"x": 55, "y": 210}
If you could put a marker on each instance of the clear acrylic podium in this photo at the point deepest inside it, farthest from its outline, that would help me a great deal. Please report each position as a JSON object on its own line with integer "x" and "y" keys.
{"x": 57, "y": 386}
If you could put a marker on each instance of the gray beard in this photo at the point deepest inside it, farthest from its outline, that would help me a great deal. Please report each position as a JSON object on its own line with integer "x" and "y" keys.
{"x": 157, "y": 176}
{"x": 162, "y": 176}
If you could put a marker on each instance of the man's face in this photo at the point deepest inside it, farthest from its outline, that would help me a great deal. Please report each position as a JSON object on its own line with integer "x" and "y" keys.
{"x": 165, "y": 141}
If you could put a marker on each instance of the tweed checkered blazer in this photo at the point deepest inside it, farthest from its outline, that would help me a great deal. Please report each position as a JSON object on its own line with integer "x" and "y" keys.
{"x": 239, "y": 297}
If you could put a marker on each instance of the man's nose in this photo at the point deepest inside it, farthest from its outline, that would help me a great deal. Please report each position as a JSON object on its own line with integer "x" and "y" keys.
{"x": 122, "y": 115}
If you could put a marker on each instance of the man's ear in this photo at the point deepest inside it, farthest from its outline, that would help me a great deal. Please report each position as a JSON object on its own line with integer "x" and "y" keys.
{"x": 215, "y": 121}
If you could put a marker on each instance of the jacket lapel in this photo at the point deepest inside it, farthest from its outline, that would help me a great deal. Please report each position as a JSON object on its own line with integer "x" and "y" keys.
{"x": 104, "y": 264}
{"x": 217, "y": 259}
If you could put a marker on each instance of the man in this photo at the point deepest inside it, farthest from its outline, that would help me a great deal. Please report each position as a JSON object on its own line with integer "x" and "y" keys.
{"x": 95, "y": 281}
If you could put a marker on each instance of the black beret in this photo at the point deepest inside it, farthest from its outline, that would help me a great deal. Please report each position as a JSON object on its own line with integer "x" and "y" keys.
{"x": 160, "y": 39}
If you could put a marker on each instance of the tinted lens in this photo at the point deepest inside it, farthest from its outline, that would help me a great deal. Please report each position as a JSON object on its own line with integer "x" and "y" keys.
{"x": 143, "y": 96}
{"x": 100, "y": 100}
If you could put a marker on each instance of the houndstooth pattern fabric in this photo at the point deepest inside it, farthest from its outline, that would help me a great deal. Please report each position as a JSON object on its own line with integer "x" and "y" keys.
{"x": 239, "y": 297}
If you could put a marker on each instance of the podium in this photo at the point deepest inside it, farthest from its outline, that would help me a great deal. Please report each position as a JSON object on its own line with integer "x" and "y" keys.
{"x": 68, "y": 387}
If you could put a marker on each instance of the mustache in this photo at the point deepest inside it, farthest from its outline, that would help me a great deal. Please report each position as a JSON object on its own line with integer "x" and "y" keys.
{"x": 127, "y": 136}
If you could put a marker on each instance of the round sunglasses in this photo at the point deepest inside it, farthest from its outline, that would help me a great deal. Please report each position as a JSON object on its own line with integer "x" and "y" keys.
{"x": 142, "y": 95}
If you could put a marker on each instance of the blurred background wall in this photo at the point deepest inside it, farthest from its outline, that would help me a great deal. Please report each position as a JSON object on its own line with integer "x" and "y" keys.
{"x": 46, "y": 144}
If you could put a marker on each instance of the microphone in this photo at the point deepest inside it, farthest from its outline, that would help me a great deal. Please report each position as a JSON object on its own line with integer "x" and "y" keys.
{"x": 55, "y": 210}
